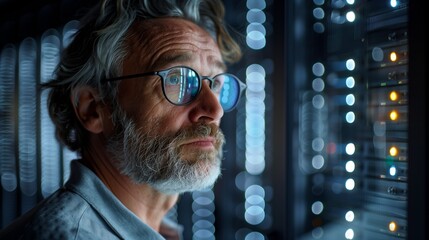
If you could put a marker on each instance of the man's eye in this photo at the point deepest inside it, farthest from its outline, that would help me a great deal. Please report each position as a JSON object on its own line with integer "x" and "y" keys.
{"x": 216, "y": 86}
{"x": 173, "y": 80}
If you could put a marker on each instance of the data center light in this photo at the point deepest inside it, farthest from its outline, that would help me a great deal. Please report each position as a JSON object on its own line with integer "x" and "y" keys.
{"x": 255, "y": 204}
{"x": 393, "y": 56}
{"x": 350, "y": 148}
{"x": 256, "y": 4}
{"x": 318, "y": 27}
{"x": 349, "y": 234}
{"x": 254, "y": 236}
{"x": 318, "y": 13}
{"x": 255, "y": 37}
{"x": 350, "y": 99}
{"x": 350, "y": 82}
{"x": 318, "y": 85}
{"x": 350, "y": 64}
{"x": 318, "y": 101}
{"x": 393, "y": 227}
{"x": 350, "y": 184}
{"x": 393, "y": 151}
{"x": 350, "y": 117}
{"x": 318, "y": 69}
{"x": 317, "y": 233}
{"x": 394, "y": 115}
{"x": 350, "y": 216}
{"x": 7, "y": 126}
{"x": 317, "y": 208}
{"x": 393, "y": 3}
{"x": 392, "y": 171}
{"x": 318, "y": 162}
{"x": 393, "y": 96}
{"x": 351, "y": 16}
{"x": 350, "y": 166}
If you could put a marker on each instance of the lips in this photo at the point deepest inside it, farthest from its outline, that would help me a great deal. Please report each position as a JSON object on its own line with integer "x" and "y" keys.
{"x": 200, "y": 142}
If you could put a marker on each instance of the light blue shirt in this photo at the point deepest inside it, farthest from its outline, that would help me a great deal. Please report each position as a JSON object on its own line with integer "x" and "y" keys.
{"x": 85, "y": 209}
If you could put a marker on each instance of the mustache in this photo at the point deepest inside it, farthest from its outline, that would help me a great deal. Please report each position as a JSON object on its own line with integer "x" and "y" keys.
{"x": 200, "y": 130}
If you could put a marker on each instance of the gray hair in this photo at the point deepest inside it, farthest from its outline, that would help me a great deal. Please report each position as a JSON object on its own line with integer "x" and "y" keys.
{"x": 98, "y": 50}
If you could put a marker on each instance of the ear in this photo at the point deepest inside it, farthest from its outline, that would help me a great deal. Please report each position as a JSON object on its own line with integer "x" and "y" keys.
{"x": 89, "y": 109}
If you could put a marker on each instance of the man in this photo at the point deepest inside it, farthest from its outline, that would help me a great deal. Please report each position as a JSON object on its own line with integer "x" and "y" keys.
{"x": 139, "y": 94}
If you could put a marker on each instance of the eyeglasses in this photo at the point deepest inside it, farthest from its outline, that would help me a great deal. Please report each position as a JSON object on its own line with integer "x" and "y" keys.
{"x": 181, "y": 85}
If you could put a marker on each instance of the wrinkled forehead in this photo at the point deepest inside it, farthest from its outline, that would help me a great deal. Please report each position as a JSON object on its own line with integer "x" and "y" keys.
{"x": 158, "y": 41}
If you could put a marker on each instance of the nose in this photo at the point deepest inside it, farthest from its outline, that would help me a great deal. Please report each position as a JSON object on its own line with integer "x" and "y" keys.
{"x": 206, "y": 107}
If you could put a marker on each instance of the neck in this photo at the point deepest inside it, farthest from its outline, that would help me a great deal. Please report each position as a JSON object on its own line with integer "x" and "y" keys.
{"x": 145, "y": 202}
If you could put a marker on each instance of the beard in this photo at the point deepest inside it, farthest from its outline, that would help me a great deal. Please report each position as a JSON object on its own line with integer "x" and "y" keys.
{"x": 160, "y": 160}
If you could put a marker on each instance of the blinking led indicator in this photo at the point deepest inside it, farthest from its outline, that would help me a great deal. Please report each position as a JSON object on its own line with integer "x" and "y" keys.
{"x": 393, "y": 56}
{"x": 392, "y": 226}
{"x": 393, "y": 96}
{"x": 393, "y": 151}
{"x": 394, "y": 115}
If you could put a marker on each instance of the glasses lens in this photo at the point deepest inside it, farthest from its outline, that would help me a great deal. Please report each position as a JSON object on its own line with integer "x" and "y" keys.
{"x": 181, "y": 85}
{"x": 230, "y": 91}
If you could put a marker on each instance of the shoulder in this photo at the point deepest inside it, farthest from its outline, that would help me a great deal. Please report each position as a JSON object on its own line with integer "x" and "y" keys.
{"x": 57, "y": 217}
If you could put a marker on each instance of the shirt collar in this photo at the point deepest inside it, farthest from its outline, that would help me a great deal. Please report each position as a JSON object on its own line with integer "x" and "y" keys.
{"x": 124, "y": 222}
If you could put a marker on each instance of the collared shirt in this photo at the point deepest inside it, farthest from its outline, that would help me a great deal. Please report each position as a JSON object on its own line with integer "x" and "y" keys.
{"x": 85, "y": 209}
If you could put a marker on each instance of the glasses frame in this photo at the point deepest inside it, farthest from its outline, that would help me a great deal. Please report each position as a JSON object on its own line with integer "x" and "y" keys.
{"x": 162, "y": 74}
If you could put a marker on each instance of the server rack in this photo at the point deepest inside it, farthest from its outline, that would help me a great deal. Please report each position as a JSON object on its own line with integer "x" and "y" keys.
{"x": 357, "y": 84}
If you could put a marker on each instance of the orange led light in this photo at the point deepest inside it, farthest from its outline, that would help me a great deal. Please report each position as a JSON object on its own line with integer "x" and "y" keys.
{"x": 392, "y": 226}
{"x": 393, "y": 151}
{"x": 394, "y": 115}
{"x": 393, "y": 96}
{"x": 393, "y": 56}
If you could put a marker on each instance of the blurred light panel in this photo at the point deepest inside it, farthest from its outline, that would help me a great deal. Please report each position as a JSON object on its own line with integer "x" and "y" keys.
{"x": 203, "y": 217}
{"x": 67, "y": 155}
{"x": 27, "y": 98}
{"x": 250, "y": 180}
{"x": 8, "y": 166}
{"x": 50, "y": 149}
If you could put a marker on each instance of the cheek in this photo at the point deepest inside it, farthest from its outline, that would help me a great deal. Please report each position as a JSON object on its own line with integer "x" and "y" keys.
{"x": 160, "y": 118}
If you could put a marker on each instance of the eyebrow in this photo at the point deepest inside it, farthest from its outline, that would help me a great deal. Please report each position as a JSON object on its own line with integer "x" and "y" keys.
{"x": 183, "y": 57}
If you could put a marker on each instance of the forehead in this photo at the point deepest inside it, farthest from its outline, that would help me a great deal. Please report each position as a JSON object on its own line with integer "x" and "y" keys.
{"x": 156, "y": 43}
